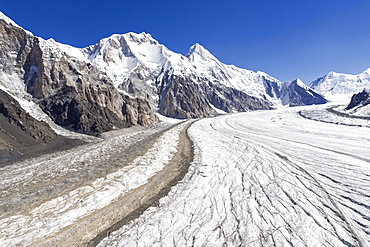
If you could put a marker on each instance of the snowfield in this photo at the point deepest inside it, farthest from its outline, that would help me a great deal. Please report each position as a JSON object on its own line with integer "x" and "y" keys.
{"x": 270, "y": 178}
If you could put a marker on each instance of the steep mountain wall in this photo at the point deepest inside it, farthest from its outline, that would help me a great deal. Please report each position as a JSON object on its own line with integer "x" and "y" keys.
{"x": 195, "y": 85}
{"x": 360, "y": 99}
{"x": 296, "y": 93}
{"x": 74, "y": 93}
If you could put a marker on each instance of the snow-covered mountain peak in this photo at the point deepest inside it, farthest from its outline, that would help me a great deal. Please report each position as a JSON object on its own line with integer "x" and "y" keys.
{"x": 140, "y": 38}
{"x": 198, "y": 54}
{"x": 340, "y": 86}
{"x": 119, "y": 54}
{"x": 199, "y": 50}
{"x": 331, "y": 74}
{"x": 366, "y": 72}
{"x": 300, "y": 82}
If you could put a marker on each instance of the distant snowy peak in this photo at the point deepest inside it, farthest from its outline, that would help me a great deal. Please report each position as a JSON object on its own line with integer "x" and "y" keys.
{"x": 247, "y": 81}
{"x": 366, "y": 73}
{"x": 340, "y": 86}
{"x": 299, "y": 83}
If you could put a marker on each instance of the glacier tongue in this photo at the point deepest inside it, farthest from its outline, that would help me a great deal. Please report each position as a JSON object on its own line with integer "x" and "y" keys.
{"x": 263, "y": 179}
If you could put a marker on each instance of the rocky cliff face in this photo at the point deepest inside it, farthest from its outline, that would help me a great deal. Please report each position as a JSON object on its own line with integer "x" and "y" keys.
{"x": 193, "y": 97}
{"x": 181, "y": 98}
{"x": 229, "y": 99}
{"x": 13, "y": 113}
{"x": 359, "y": 100}
{"x": 296, "y": 93}
{"x": 73, "y": 92}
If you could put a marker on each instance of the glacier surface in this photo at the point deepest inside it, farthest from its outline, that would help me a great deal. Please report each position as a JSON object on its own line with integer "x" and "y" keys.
{"x": 269, "y": 178}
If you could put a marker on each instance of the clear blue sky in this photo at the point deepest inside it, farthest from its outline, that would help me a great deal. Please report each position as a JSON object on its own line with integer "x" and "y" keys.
{"x": 286, "y": 39}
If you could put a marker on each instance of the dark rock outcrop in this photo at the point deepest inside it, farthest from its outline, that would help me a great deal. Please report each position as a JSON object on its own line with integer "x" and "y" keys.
{"x": 362, "y": 98}
{"x": 180, "y": 97}
{"x": 296, "y": 93}
{"x": 193, "y": 97}
{"x": 14, "y": 114}
{"x": 231, "y": 100}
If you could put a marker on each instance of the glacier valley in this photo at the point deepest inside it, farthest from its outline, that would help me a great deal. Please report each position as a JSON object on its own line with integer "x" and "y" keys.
{"x": 263, "y": 178}
{"x": 268, "y": 178}
{"x": 127, "y": 143}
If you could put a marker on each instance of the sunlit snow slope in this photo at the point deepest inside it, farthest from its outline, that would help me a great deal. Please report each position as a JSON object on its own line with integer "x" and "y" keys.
{"x": 269, "y": 178}
{"x": 340, "y": 87}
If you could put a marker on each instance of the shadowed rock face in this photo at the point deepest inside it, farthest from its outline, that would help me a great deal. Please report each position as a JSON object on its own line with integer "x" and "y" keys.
{"x": 183, "y": 97}
{"x": 362, "y": 98}
{"x": 15, "y": 115}
{"x": 74, "y": 93}
{"x": 231, "y": 100}
{"x": 299, "y": 95}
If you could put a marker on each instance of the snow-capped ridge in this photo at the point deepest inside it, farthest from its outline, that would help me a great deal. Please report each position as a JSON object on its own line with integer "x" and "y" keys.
{"x": 8, "y": 20}
{"x": 299, "y": 82}
{"x": 200, "y": 51}
{"x": 59, "y": 48}
{"x": 141, "y": 67}
{"x": 201, "y": 57}
{"x": 120, "y": 54}
{"x": 11, "y": 22}
{"x": 341, "y": 86}
{"x": 366, "y": 72}
{"x": 141, "y": 37}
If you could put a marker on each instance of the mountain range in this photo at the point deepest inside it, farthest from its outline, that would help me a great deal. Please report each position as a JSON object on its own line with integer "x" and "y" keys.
{"x": 339, "y": 85}
{"x": 125, "y": 79}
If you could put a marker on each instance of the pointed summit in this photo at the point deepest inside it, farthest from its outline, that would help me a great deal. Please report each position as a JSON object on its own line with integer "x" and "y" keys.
{"x": 139, "y": 38}
{"x": 366, "y": 72}
{"x": 198, "y": 54}
{"x": 196, "y": 48}
{"x": 300, "y": 83}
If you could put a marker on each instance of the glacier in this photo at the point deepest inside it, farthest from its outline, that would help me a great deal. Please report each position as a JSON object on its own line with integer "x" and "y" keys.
{"x": 268, "y": 178}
